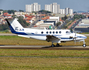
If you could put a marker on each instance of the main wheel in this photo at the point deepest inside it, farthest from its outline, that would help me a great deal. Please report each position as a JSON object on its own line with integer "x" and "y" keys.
{"x": 57, "y": 45}
{"x": 52, "y": 45}
{"x": 84, "y": 45}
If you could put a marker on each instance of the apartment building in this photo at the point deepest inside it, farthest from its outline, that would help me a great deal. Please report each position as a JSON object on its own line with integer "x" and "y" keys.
{"x": 33, "y": 7}
{"x": 53, "y": 8}
{"x": 66, "y": 11}
{"x": 62, "y": 11}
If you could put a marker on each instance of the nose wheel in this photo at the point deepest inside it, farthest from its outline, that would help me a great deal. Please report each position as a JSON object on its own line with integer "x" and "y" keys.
{"x": 84, "y": 45}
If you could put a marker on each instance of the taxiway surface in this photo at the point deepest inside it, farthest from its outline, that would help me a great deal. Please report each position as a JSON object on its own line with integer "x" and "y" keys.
{"x": 44, "y": 47}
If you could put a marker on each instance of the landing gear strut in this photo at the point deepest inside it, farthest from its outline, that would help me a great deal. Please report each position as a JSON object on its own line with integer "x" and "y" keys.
{"x": 52, "y": 45}
{"x": 84, "y": 45}
{"x": 57, "y": 45}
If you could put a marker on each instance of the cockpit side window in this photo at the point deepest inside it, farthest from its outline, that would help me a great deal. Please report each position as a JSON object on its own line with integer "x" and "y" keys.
{"x": 67, "y": 32}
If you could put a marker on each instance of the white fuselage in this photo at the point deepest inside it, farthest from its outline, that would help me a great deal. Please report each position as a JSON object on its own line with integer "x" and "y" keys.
{"x": 64, "y": 35}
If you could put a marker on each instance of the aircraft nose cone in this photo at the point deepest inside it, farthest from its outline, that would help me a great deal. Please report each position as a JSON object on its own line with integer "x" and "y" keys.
{"x": 85, "y": 37}
{"x": 81, "y": 36}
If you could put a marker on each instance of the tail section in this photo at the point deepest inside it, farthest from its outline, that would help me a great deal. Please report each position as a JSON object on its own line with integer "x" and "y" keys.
{"x": 15, "y": 26}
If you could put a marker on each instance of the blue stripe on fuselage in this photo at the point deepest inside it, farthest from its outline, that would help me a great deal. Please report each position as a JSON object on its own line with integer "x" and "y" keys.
{"x": 82, "y": 37}
{"x": 13, "y": 31}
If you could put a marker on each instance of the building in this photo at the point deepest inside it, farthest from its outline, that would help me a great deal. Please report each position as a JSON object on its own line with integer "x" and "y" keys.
{"x": 55, "y": 18}
{"x": 7, "y": 15}
{"x": 53, "y": 8}
{"x": 33, "y": 7}
{"x": 83, "y": 26}
{"x": 1, "y": 12}
{"x": 28, "y": 8}
{"x": 43, "y": 24}
{"x": 48, "y": 7}
{"x": 71, "y": 11}
{"x": 62, "y": 11}
{"x": 68, "y": 11}
{"x": 21, "y": 13}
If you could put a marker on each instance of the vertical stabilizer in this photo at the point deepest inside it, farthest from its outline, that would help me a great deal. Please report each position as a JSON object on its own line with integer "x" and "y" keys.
{"x": 14, "y": 25}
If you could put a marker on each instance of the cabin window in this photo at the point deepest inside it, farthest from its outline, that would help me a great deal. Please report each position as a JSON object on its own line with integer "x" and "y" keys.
{"x": 46, "y": 32}
{"x": 59, "y": 32}
{"x": 42, "y": 32}
{"x": 53, "y": 32}
{"x": 56, "y": 32}
{"x": 50, "y": 32}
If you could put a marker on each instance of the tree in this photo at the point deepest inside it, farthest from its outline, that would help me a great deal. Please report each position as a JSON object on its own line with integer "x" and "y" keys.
{"x": 64, "y": 18}
{"x": 22, "y": 21}
{"x": 9, "y": 11}
{"x": 64, "y": 27}
{"x": 1, "y": 9}
{"x": 34, "y": 12}
{"x": 44, "y": 11}
{"x": 58, "y": 24}
{"x": 75, "y": 12}
{"x": 76, "y": 16}
{"x": 21, "y": 10}
{"x": 5, "y": 11}
{"x": 4, "y": 27}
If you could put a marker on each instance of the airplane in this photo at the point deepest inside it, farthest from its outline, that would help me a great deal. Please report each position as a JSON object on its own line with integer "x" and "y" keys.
{"x": 50, "y": 35}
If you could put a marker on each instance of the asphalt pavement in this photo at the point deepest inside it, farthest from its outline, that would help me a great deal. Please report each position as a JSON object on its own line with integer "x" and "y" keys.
{"x": 43, "y": 47}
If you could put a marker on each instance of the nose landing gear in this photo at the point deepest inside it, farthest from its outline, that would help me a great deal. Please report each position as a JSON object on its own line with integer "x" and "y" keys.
{"x": 84, "y": 45}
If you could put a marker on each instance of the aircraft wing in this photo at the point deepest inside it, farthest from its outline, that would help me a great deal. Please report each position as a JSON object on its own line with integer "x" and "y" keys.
{"x": 52, "y": 38}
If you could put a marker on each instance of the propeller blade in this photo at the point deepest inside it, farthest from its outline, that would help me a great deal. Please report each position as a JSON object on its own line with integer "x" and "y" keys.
{"x": 75, "y": 37}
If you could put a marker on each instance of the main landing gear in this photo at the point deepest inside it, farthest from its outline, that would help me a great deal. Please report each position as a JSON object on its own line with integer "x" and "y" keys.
{"x": 57, "y": 45}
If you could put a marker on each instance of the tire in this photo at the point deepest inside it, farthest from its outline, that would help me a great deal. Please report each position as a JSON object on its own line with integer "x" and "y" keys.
{"x": 84, "y": 45}
{"x": 52, "y": 45}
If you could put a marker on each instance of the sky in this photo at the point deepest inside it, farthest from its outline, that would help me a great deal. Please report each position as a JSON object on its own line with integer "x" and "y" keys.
{"x": 76, "y": 5}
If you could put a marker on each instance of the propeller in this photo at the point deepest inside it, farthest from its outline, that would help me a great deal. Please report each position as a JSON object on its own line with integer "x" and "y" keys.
{"x": 75, "y": 38}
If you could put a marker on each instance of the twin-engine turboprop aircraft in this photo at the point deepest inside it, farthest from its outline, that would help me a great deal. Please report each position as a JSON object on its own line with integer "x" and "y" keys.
{"x": 54, "y": 36}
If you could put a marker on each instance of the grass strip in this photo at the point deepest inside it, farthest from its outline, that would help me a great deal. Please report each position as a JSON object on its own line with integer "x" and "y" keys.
{"x": 15, "y": 40}
{"x": 43, "y": 53}
{"x": 25, "y": 59}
